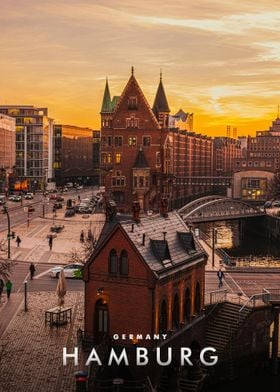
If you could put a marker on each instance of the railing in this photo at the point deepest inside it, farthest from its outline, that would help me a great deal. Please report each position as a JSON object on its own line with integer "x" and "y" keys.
{"x": 251, "y": 303}
{"x": 150, "y": 387}
{"x": 217, "y": 296}
{"x": 271, "y": 295}
{"x": 220, "y": 252}
{"x": 256, "y": 261}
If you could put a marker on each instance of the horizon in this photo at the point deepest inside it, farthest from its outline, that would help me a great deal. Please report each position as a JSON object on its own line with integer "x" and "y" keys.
{"x": 219, "y": 61}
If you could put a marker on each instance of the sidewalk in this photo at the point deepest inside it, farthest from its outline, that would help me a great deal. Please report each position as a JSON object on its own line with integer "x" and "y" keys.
{"x": 32, "y": 356}
{"x": 34, "y": 245}
{"x": 217, "y": 258}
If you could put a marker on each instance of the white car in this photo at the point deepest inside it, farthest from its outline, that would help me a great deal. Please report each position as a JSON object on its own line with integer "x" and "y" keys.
{"x": 70, "y": 271}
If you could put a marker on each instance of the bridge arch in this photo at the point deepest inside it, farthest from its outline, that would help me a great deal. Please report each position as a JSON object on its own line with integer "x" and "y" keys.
{"x": 217, "y": 208}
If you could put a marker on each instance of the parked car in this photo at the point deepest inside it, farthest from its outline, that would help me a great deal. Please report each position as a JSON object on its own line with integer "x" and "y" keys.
{"x": 28, "y": 196}
{"x": 70, "y": 271}
{"x": 267, "y": 204}
{"x": 70, "y": 212}
{"x": 17, "y": 198}
{"x": 276, "y": 203}
{"x": 59, "y": 198}
{"x": 79, "y": 187}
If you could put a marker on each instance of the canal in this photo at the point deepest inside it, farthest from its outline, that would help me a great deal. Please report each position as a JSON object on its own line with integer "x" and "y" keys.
{"x": 243, "y": 237}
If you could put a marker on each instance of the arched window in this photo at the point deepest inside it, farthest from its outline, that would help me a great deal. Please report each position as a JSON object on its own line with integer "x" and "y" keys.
{"x": 124, "y": 263}
{"x": 175, "y": 312}
{"x": 187, "y": 305}
{"x": 113, "y": 262}
{"x": 163, "y": 317}
{"x": 197, "y": 302}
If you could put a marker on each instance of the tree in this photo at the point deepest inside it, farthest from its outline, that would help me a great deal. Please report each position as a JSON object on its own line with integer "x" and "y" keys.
{"x": 6, "y": 265}
{"x": 274, "y": 187}
{"x": 82, "y": 254}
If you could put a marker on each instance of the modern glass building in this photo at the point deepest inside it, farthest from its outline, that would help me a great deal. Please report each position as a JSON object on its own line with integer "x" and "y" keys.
{"x": 34, "y": 137}
{"x": 76, "y": 155}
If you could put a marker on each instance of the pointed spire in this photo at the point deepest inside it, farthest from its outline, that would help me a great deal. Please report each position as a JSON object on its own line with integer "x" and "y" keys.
{"x": 106, "y": 103}
{"x": 160, "y": 103}
{"x": 132, "y": 70}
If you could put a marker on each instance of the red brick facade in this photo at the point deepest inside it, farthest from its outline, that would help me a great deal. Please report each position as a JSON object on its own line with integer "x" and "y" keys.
{"x": 133, "y": 301}
{"x": 128, "y": 125}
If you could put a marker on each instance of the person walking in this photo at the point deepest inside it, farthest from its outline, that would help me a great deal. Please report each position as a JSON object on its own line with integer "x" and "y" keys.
{"x": 221, "y": 276}
{"x": 82, "y": 236}
{"x": 32, "y": 271}
{"x": 9, "y": 286}
{"x": 50, "y": 241}
{"x": 18, "y": 241}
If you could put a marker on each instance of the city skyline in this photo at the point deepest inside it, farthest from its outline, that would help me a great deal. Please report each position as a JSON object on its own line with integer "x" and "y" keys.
{"x": 219, "y": 61}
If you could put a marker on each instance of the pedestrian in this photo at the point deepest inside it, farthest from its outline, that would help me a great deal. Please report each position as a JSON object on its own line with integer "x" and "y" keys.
{"x": 89, "y": 236}
{"x": 79, "y": 198}
{"x": 220, "y": 275}
{"x": 9, "y": 286}
{"x": 18, "y": 241}
{"x": 2, "y": 284}
{"x": 50, "y": 241}
{"x": 82, "y": 236}
{"x": 32, "y": 270}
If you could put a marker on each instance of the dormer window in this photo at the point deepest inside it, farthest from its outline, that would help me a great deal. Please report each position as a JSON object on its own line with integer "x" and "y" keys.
{"x": 132, "y": 103}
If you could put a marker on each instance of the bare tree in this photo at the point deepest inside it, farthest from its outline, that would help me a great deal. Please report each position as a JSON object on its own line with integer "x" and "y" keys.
{"x": 274, "y": 187}
{"x": 6, "y": 265}
{"x": 82, "y": 254}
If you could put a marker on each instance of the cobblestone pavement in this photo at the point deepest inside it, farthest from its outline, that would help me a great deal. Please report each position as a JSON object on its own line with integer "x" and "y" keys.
{"x": 34, "y": 246}
{"x": 32, "y": 356}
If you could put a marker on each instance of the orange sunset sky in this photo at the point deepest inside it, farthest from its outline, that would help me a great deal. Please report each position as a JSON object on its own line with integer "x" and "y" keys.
{"x": 220, "y": 59}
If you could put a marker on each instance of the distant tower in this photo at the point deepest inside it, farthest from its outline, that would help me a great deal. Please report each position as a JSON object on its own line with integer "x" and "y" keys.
{"x": 228, "y": 130}
{"x": 234, "y": 133}
{"x": 106, "y": 108}
{"x": 160, "y": 106}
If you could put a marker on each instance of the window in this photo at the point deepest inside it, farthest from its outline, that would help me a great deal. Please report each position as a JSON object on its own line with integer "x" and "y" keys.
{"x": 158, "y": 160}
{"x": 118, "y": 181}
{"x": 124, "y": 263}
{"x": 132, "y": 122}
{"x": 113, "y": 262}
{"x": 163, "y": 317}
{"x": 175, "y": 312}
{"x": 118, "y": 141}
{"x": 118, "y": 158}
{"x": 132, "y": 140}
{"x": 253, "y": 183}
{"x": 187, "y": 305}
{"x": 109, "y": 158}
{"x": 146, "y": 141}
{"x": 132, "y": 103}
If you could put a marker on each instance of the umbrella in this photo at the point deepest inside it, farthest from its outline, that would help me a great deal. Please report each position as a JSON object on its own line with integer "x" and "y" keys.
{"x": 61, "y": 288}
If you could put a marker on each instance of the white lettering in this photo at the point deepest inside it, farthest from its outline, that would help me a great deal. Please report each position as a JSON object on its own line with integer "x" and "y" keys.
{"x": 141, "y": 356}
{"x": 186, "y": 353}
{"x": 115, "y": 336}
{"x": 118, "y": 360}
{"x": 158, "y": 358}
{"x": 93, "y": 357}
{"x": 75, "y": 355}
{"x": 213, "y": 357}
{"x": 164, "y": 336}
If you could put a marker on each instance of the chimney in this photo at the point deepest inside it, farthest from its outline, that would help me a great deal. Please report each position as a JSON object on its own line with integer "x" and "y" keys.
{"x": 132, "y": 228}
{"x": 143, "y": 239}
{"x": 164, "y": 235}
{"x": 136, "y": 211}
{"x": 164, "y": 207}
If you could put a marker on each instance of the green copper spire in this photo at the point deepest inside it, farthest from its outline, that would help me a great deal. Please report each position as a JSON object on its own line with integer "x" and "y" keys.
{"x": 106, "y": 103}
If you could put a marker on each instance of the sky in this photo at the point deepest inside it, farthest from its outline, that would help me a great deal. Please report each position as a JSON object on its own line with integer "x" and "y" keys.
{"x": 220, "y": 59}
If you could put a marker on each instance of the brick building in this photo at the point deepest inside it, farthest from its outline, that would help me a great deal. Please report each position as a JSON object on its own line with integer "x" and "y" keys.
{"x": 254, "y": 170}
{"x": 146, "y": 276}
{"x": 7, "y": 150}
{"x": 142, "y": 156}
{"x": 225, "y": 151}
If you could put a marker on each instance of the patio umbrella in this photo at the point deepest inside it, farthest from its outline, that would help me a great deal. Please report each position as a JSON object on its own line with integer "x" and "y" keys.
{"x": 61, "y": 288}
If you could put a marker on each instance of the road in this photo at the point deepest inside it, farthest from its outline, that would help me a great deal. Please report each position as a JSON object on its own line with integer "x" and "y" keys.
{"x": 19, "y": 216}
{"x": 42, "y": 281}
{"x": 248, "y": 283}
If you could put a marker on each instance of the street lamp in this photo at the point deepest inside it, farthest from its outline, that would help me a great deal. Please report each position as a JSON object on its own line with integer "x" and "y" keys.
{"x": 214, "y": 241}
{"x": 5, "y": 211}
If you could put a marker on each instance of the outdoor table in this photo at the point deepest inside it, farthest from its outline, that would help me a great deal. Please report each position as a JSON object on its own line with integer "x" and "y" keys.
{"x": 58, "y": 316}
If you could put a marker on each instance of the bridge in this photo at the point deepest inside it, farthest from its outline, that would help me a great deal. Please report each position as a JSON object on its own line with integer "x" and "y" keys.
{"x": 216, "y": 207}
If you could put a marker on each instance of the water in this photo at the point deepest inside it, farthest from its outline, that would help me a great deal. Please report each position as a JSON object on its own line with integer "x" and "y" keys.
{"x": 243, "y": 237}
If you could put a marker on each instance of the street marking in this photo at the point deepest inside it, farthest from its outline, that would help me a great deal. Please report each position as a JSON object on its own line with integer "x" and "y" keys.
{"x": 42, "y": 274}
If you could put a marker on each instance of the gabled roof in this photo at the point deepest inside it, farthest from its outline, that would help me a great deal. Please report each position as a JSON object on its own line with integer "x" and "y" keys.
{"x": 106, "y": 103}
{"x": 132, "y": 88}
{"x": 160, "y": 103}
{"x": 140, "y": 162}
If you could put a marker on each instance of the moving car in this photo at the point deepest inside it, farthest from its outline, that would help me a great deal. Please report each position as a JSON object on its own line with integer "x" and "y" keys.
{"x": 70, "y": 212}
{"x": 70, "y": 271}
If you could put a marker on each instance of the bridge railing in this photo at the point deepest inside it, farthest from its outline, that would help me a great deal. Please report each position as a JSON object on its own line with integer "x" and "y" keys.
{"x": 220, "y": 252}
{"x": 216, "y": 296}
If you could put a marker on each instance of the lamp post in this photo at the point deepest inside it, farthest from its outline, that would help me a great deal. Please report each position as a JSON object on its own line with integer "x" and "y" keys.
{"x": 214, "y": 240}
{"x": 5, "y": 211}
{"x": 25, "y": 296}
